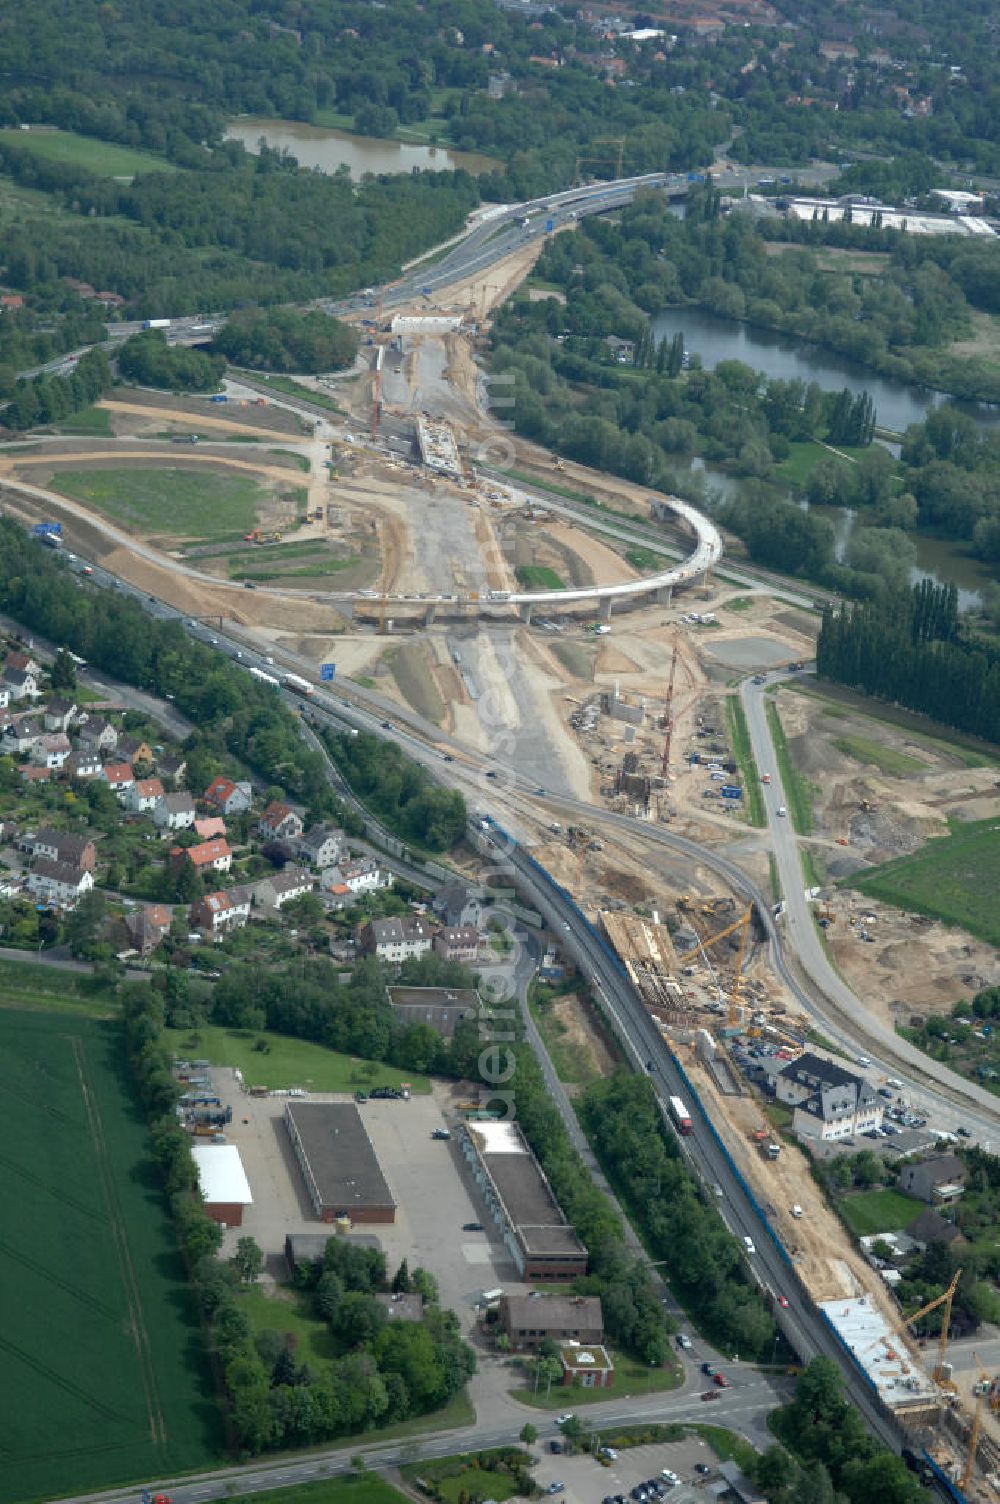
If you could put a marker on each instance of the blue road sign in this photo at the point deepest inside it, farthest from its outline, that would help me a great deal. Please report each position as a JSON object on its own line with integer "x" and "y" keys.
{"x": 549, "y": 226}
{"x": 327, "y": 671}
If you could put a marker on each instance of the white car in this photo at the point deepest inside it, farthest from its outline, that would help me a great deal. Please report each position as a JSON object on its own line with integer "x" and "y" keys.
{"x": 748, "y": 1245}
{"x": 862, "y": 1060}
{"x": 562, "y": 1419}
{"x": 782, "y": 811}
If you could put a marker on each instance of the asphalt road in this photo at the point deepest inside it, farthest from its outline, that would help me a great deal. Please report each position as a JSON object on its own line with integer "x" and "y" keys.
{"x": 958, "y": 1102}
{"x": 743, "y": 1407}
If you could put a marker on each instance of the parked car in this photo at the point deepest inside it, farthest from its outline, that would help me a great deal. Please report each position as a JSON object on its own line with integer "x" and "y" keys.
{"x": 711, "y": 1394}
{"x": 748, "y": 1245}
{"x": 472, "y": 1227}
{"x": 556, "y": 1488}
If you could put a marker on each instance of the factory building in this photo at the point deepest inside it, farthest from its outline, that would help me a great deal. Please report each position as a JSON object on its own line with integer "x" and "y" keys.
{"x": 342, "y": 1175}
{"x": 521, "y": 1202}
{"x": 223, "y": 1182}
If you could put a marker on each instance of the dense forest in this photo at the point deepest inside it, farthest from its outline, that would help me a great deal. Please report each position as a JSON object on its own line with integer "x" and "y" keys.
{"x": 909, "y": 647}
{"x": 281, "y": 339}
{"x": 235, "y": 230}
{"x": 148, "y": 360}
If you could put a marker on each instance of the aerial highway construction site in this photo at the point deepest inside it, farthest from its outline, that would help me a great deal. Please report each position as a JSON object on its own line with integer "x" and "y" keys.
{"x": 464, "y": 583}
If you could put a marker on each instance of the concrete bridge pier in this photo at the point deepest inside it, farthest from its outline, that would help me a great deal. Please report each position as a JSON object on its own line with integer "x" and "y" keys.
{"x": 665, "y": 595}
{"x": 430, "y": 614}
{"x": 524, "y": 612}
{"x": 606, "y": 610}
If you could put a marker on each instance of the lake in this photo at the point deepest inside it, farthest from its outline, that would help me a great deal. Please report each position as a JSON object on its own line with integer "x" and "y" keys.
{"x": 325, "y": 148}
{"x": 897, "y": 404}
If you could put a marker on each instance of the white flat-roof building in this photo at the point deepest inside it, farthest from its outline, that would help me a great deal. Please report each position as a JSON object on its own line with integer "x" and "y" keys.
{"x": 882, "y": 216}
{"x": 223, "y": 1182}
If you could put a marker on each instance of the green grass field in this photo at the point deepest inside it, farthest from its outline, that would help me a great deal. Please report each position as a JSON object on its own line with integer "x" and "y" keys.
{"x": 869, "y": 1212}
{"x": 573, "y": 1062}
{"x": 632, "y": 1378}
{"x": 800, "y": 464}
{"x": 798, "y": 790}
{"x": 288, "y": 1062}
{"x": 839, "y": 702}
{"x": 886, "y": 759}
{"x": 93, "y": 421}
{"x": 183, "y": 503}
{"x": 103, "y": 1377}
{"x": 291, "y": 1313}
{"x": 102, "y": 157}
{"x": 539, "y": 577}
{"x": 954, "y": 877}
{"x": 753, "y": 798}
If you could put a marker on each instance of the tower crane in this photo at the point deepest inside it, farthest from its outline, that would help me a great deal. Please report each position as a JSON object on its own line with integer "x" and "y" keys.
{"x": 742, "y": 924}
{"x": 618, "y": 141}
{"x": 940, "y": 1377}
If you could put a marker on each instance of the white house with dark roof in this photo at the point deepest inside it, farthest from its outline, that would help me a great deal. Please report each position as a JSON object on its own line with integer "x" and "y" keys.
{"x": 58, "y": 882}
{"x": 59, "y": 714}
{"x": 50, "y": 750}
{"x": 174, "y": 812}
{"x": 829, "y": 1102}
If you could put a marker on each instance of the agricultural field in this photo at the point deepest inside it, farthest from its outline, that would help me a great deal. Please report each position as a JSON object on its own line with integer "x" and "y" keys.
{"x": 179, "y": 503}
{"x": 369, "y": 1489}
{"x": 104, "y": 1377}
{"x": 954, "y": 878}
{"x": 102, "y": 157}
{"x": 287, "y": 1062}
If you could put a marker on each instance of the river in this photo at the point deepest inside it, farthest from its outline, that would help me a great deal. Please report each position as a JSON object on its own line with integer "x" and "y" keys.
{"x": 897, "y": 404}
{"x": 325, "y": 148}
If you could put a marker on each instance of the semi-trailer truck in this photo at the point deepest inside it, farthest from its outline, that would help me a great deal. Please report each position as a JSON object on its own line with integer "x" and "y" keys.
{"x": 680, "y": 1115}
{"x": 263, "y": 678}
{"x": 298, "y": 686}
{"x": 156, "y": 323}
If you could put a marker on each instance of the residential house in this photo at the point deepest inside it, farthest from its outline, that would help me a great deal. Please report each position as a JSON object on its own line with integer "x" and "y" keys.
{"x": 940, "y": 1178}
{"x": 320, "y": 846}
{"x": 81, "y": 764}
{"x": 172, "y": 767}
{"x": 51, "y": 750}
{"x": 931, "y": 1227}
{"x": 210, "y": 856}
{"x": 395, "y": 940}
{"x": 98, "y": 734}
{"x": 830, "y": 1102}
{"x": 439, "y": 1008}
{"x": 364, "y": 875}
{"x": 10, "y": 302}
{"x": 31, "y": 774}
{"x": 20, "y": 684}
{"x": 173, "y": 811}
{"x": 136, "y": 751}
{"x": 59, "y": 714}
{"x": 120, "y": 777}
{"x": 20, "y": 736}
{"x": 213, "y": 826}
{"x": 336, "y": 896}
{"x": 218, "y": 912}
{"x": 279, "y": 822}
{"x": 457, "y": 904}
{"x": 530, "y": 1320}
{"x": 26, "y": 662}
{"x": 144, "y": 795}
{"x": 62, "y": 846}
{"x": 58, "y": 882}
{"x": 4, "y": 696}
{"x": 228, "y": 797}
{"x": 147, "y": 927}
{"x": 457, "y": 942}
{"x": 282, "y": 887}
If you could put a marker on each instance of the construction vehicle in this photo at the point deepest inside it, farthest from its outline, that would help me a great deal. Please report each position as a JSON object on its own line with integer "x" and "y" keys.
{"x": 867, "y": 807}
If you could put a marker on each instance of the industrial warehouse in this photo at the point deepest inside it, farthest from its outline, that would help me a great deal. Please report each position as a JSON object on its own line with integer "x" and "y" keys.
{"x": 541, "y": 1242}
{"x": 342, "y": 1174}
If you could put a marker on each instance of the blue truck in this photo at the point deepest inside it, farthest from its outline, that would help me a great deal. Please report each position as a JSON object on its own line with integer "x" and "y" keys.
{"x": 731, "y": 791}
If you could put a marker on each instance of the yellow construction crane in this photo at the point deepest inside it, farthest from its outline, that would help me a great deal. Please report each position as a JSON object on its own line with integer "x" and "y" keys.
{"x": 742, "y": 924}
{"x": 939, "y": 1376}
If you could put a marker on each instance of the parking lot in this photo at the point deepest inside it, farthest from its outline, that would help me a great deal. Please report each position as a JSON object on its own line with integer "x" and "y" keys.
{"x": 432, "y": 1191}
{"x": 587, "y": 1482}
